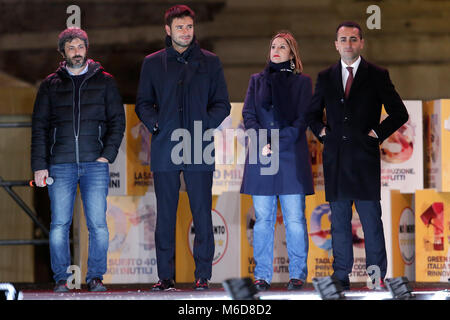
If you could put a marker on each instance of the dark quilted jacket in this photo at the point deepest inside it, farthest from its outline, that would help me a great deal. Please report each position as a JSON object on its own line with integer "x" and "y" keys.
{"x": 101, "y": 120}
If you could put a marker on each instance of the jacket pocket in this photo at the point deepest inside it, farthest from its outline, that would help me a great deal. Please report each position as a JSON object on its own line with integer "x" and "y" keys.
{"x": 54, "y": 141}
{"x": 100, "y": 136}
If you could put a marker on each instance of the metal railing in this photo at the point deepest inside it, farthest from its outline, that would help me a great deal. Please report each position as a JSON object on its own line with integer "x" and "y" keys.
{"x": 8, "y": 187}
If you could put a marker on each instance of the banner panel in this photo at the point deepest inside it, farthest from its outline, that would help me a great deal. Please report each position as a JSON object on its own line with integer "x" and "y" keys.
{"x": 403, "y": 235}
{"x": 118, "y": 170}
{"x": 229, "y": 144}
{"x": 131, "y": 253}
{"x": 432, "y": 236}
{"x": 437, "y": 144}
{"x": 226, "y": 228}
{"x": 140, "y": 178}
{"x": 402, "y": 153}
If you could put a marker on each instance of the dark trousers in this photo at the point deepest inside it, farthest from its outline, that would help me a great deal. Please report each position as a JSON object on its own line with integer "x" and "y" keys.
{"x": 199, "y": 190}
{"x": 342, "y": 240}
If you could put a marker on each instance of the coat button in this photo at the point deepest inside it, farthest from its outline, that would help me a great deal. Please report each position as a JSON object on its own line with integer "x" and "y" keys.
{"x": 180, "y": 82}
{"x": 342, "y": 100}
{"x": 272, "y": 124}
{"x": 345, "y": 119}
{"x": 344, "y": 138}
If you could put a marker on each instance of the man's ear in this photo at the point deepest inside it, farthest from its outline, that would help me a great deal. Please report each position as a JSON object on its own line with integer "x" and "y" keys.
{"x": 167, "y": 30}
{"x": 63, "y": 54}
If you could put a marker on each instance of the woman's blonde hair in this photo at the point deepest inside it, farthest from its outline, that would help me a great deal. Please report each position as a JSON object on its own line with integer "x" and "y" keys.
{"x": 286, "y": 35}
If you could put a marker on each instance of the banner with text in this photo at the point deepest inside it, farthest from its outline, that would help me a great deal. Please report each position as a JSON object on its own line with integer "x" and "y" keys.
{"x": 432, "y": 236}
{"x": 402, "y": 153}
{"x": 436, "y": 116}
{"x": 131, "y": 253}
{"x": 140, "y": 178}
{"x": 226, "y": 228}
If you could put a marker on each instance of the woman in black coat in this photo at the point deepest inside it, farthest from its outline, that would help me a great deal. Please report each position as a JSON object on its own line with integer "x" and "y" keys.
{"x": 274, "y": 119}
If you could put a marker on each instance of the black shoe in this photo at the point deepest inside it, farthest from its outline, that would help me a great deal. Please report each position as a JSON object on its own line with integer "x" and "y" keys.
{"x": 261, "y": 285}
{"x": 96, "y": 285}
{"x": 61, "y": 286}
{"x": 345, "y": 284}
{"x": 201, "y": 284}
{"x": 295, "y": 284}
{"x": 161, "y": 285}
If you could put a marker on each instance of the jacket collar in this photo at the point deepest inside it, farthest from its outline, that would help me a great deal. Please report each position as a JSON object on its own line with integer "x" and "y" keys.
{"x": 360, "y": 77}
{"x": 93, "y": 67}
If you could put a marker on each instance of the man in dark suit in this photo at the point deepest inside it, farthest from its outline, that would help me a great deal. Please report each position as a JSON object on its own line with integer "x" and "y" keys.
{"x": 182, "y": 95}
{"x": 353, "y": 91}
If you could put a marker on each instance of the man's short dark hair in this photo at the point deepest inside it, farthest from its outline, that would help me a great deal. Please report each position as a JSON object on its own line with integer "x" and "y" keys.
{"x": 178, "y": 11}
{"x": 69, "y": 34}
{"x": 350, "y": 24}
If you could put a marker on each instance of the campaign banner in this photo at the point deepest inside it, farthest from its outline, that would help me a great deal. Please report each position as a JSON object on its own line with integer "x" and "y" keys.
{"x": 131, "y": 252}
{"x": 229, "y": 145}
{"x": 402, "y": 153}
{"x": 432, "y": 241}
{"x": 140, "y": 178}
{"x": 315, "y": 151}
{"x": 226, "y": 227}
{"x": 386, "y": 218}
{"x": 247, "y": 216}
{"x": 118, "y": 170}
{"x": 320, "y": 256}
{"x": 436, "y": 116}
{"x": 401, "y": 254}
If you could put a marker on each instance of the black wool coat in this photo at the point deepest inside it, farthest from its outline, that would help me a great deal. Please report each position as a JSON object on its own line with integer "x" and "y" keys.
{"x": 351, "y": 158}
{"x": 182, "y": 91}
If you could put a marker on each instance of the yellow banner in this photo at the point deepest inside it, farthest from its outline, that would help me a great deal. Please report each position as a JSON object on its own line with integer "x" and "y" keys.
{"x": 226, "y": 229}
{"x": 445, "y": 133}
{"x": 247, "y": 223}
{"x": 403, "y": 235}
{"x": 319, "y": 232}
{"x": 437, "y": 144}
{"x": 140, "y": 178}
{"x": 432, "y": 236}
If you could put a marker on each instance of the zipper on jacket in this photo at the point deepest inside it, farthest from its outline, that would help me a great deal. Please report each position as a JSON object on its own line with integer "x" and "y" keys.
{"x": 100, "y": 135}
{"x": 54, "y": 141}
{"x": 77, "y": 154}
{"x": 73, "y": 117}
{"x": 76, "y": 134}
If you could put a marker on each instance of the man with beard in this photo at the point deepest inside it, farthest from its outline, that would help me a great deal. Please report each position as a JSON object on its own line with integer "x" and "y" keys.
{"x": 78, "y": 125}
{"x": 182, "y": 93}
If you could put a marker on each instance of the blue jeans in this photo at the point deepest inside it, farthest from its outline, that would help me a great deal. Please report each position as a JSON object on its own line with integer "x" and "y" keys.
{"x": 93, "y": 178}
{"x": 293, "y": 209}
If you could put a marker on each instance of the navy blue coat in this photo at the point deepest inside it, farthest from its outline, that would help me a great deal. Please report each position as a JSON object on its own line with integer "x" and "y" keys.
{"x": 174, "y": 91}
{"x": 294, "y": 175}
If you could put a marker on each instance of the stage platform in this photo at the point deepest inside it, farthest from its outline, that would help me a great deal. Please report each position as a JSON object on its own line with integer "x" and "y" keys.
{"x": 184, "y": 291}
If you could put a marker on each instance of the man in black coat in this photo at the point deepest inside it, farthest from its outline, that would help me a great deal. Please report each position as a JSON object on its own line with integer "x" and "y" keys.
{"x": 353, "y": 92}
{"x": 182, "y": 97}
{"x": 78, "y": 124}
